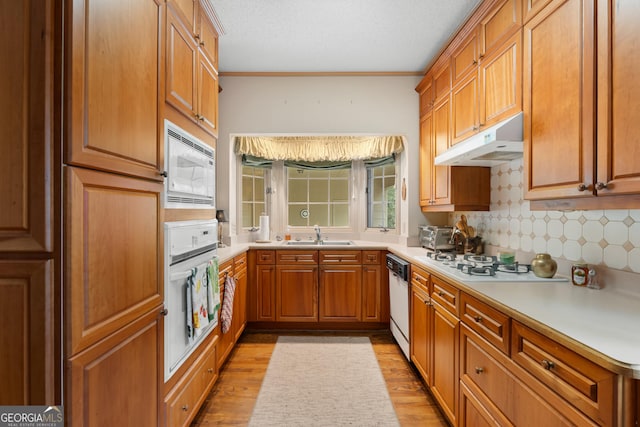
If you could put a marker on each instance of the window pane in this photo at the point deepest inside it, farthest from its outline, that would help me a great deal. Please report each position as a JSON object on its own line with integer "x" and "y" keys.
{"x": 318, "y": 190}
{"x": 389, "y": 170}
{"x": 296, "y": 218}
{"x": 247, "y": 188}
{"x": 247, "y": 214}
{"x": 341, "y": 173}
{"x": 377, "y": 216}
{"x": 318, "y": 173}
{"x": 319, "y": 214}
{"x": 381, "y": 198}
{"x": 340, "y": 215}
{"x": 258, "y": 186}
{"x": 297, "y": 190}
{"x": 377, "y": 190}
{"x": 339, "y": 191}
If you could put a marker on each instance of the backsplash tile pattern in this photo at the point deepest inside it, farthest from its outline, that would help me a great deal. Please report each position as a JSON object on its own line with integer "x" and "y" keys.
{"x": 609, "y": 238}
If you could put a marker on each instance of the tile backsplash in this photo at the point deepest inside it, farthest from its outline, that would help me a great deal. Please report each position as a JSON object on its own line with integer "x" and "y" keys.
{"x": 609, "y": 238}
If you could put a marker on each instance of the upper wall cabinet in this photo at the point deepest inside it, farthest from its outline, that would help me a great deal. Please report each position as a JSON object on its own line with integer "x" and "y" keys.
{"x": 191, "y": 64}
{"x": 112, "y": 87}
{"x": 568, "y": 165}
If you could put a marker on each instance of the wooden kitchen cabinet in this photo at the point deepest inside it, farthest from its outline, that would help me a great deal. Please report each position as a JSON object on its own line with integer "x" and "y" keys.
{"x": 296, "y": 286}
{"x": 464, "y": 59}
{"x": 426, "y": 160}
{"x": 262, "y": 300}
{"x": 465, "y": 108}
{"x": 340, "y": 296}
{"x": 375, "y": 287}
{"x": 498, "y": 24}
{"x": 113, "y": 273}
{"x": 191, "y": 77}
{"x": 114, "y": 382}
{"x": 559, "y": 101}
{"x": 421, "y": 323}
{"x": 113, "y": 78}
{"x": 446, "y": 330}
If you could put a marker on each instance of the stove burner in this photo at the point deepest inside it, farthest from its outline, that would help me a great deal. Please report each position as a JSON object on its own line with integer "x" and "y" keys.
{"x": 480, "y": 258}
{"x": 483, "y": 270}
{"x": 512, "y": 268}
{"x": 442, "y": 256}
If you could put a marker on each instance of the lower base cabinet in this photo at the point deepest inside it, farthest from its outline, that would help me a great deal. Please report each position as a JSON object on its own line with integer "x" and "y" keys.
{"x": 184, "y": 400}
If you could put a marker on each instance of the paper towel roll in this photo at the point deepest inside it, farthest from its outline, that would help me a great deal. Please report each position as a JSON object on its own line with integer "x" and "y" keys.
{"x": 263, "y": 234}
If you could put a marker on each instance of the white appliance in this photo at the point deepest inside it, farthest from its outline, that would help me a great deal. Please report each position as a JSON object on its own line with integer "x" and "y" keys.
{"x": 495, "y": 145}
{"x": 188, "y": 245}
{"x": 190, "y": 170}
{"x": 399, "y": 301}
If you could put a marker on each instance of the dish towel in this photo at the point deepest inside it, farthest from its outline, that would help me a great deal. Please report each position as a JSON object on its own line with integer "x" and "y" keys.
{"x": 227, "y": 303}
{"x": 213, "y": 291}
{"x": 189, "y": 308}
{"x": 199, "y": 299}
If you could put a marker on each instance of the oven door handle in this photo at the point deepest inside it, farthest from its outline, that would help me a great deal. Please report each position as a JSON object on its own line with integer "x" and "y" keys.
{"x": 179, "y": 275}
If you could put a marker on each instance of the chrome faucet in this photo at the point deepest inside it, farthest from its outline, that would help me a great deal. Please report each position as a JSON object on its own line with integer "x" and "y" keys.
{"x": 318, "y": 233}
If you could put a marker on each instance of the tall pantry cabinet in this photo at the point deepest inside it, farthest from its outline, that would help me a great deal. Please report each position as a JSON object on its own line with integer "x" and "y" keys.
{"x": 113, "y": 284}
{"x": 29, "y": 211}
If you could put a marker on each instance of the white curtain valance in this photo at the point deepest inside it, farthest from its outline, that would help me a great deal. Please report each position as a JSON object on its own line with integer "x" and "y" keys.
{"x": 319, "y": 148}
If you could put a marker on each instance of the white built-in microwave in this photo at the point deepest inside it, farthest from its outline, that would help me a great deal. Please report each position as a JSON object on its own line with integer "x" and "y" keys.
{"x": 190, "y": 167}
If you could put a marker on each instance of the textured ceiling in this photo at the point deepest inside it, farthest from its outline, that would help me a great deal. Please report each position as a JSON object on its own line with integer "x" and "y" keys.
{"x": 335, "y": 35}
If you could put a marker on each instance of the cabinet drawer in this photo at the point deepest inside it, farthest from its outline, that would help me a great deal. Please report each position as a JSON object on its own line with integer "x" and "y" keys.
{"x": 488, "y": 322}
{"x": 445, "y": 294}
{"x": 265, "y": 257}
{"x": 420, "y": 278}
{"x": 588, "y": 386}
{"x": 240, "y": 264}
{"x": 296, "y": 257}
{"x": 508, "y": 391}
{"x": 225, "y": 269}
{"x": 371, "y": 257}
{"x": 340, "y": 257}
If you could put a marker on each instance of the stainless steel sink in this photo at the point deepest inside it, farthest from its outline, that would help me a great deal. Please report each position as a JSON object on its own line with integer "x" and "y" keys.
{"x": 322, "y": 243}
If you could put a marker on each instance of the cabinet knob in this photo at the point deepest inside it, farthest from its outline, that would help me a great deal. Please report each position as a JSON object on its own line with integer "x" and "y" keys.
{"x": 548, "y": 364}
{"x": 475, "y": 128}
{"x": 478, "y": 319}
{"x": 197, "y": 116}
{"x": 196, "y": 36}
{"x": 201, "y": 118}
{"x": 440, "y": 293}
{"x": 601, "y": 185}
{"x": 164, "y": 312}
{"x": 481, "y": 56}
{"x": 185, "y": 408}
{"x": 210, "y": 370}
{"x": 582, "y": 187}
{"x": 201, "y": 43}
{"x": 163, "y": 174}
{"x": 479, "y": 370}
{"x": 475, "y": 62}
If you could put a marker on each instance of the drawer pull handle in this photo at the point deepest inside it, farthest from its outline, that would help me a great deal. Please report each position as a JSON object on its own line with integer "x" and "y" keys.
{"x": 440, "y": 293}
{"x": 548, "y": 365}
{"x": 479, "y": 370}
{"x": 164, "y": 312}
{"x": 210, "y": 370}
{"x": 478, "y": 319}
{"x": 185, "y": 408}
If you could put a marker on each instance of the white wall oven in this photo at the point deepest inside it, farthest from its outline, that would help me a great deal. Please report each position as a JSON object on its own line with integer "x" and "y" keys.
{"x": 190, "y": 170}
{"x": 190, "y": 287}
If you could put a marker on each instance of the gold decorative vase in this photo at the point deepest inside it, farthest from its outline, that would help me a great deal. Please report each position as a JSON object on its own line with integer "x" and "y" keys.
{"x": 544, "y": 266}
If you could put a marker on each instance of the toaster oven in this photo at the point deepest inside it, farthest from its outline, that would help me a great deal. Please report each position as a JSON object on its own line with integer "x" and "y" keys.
{"x": 436, "y": 238}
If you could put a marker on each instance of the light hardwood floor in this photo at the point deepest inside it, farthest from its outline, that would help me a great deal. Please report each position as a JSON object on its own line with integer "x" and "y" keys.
{"x": 231, "y": 401}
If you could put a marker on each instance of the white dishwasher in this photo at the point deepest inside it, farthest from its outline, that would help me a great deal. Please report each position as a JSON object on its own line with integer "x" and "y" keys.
{"x": 399, "y": 301}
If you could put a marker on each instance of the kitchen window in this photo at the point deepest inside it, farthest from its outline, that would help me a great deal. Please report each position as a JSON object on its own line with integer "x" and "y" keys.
{"x": 381, "y": 196}
{"x": 254, "y": 200}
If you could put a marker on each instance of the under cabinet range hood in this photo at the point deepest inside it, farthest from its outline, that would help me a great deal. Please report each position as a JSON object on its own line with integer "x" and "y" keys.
{"x": 498, "y": 144}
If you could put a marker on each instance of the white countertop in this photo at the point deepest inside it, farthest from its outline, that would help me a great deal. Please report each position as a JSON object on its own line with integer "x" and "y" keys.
{"x": 606, "y": 321}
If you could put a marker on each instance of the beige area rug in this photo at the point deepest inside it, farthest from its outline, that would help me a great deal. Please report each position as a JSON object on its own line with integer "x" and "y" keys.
{"x": 323, "y": 381}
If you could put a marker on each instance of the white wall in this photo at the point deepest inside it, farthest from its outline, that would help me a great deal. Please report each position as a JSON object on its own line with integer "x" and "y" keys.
{"x": 322, "y": 105}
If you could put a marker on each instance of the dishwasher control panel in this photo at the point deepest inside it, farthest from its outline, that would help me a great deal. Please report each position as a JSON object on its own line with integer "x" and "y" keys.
{"x": 398, "y": 266}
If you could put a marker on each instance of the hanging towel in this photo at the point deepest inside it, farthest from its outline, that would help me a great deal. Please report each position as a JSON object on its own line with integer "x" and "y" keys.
{"x": 199, "y": 299}
{"x": 227, "y": 303}
{"x": 213, "y": 291}
{"x": 189, "y": 305}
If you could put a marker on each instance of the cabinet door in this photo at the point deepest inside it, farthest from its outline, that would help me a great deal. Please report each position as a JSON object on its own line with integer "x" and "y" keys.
{"x": 115, "y": 381}
{"x": 266, "y": 293}
{"x": 421, "y": 332}
{"x": 559, "y": 101}
{"x": 27, "y": 159}
{"x": 240, "y": 295}
{"x": 188, "y": 10}
{"x": 441, "y": 136}
{"x": 112, "y": 245}
{"x": 425, "y": 88}
{"x": 297, "y": 293}
{"x": 500, "y": 23}
{"x": 372, "y": 279}
{"x": 426, "y": 160}
{"x": 444, "y": 386}
{"x": 112, "y": 86}
{"x": 182, "y": 67}
{"x": 442, "y": 81}
{"x": 341, "y": 293}
{"x": 28, "y": 336}
{"x": 207, "y": 95}
{"x": 464, "y": 105}
{"x": 208, "y": 38}
{"x": 500, "y": 76}
{"x": 618, "y": 94}
{"x": 465, "y": 59}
